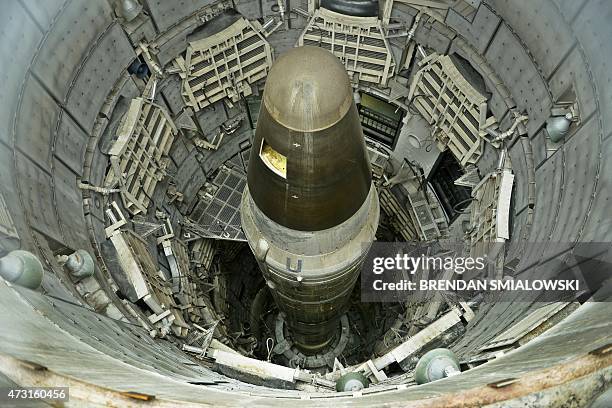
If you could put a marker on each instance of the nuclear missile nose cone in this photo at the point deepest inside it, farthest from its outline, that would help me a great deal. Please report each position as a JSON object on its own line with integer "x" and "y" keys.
{"x": 308, "y": 89}
{"x": 309, "y": 169}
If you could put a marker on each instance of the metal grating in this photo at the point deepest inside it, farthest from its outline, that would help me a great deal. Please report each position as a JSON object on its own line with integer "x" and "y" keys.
{"x": 139, "y": 155}
{"x": 450, "y": 103}
{"x": 236, "y": 162}
{"x": 358, "y": 42}
{"x": 218, "y": 211}
{"x": 224, "y": 65}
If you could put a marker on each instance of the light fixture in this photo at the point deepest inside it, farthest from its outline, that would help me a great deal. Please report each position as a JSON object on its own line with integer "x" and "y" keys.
{"x": 436, "y": 364}
{"x": 22, "y": 268}
{"x": 129, "y": 9}
{"x": 558, "y": 126}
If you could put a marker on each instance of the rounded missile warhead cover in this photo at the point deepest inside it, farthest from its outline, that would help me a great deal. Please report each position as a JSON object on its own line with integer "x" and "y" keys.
{"x": 435, "y": 365}
{"x": 22, "y": 268}
{"x": 309, "y": 168}
{"x": 308, "y": 89}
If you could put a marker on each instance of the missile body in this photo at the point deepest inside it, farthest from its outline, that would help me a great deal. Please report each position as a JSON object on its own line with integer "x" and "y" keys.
{"x": 310, "y": 210}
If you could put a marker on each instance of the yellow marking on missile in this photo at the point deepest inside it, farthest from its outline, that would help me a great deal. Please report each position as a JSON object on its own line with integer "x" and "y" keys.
{"x": 273, "y": 159}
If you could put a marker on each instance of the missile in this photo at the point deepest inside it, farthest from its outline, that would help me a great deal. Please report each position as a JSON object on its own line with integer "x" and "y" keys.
{"x": 310, "y": 210}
